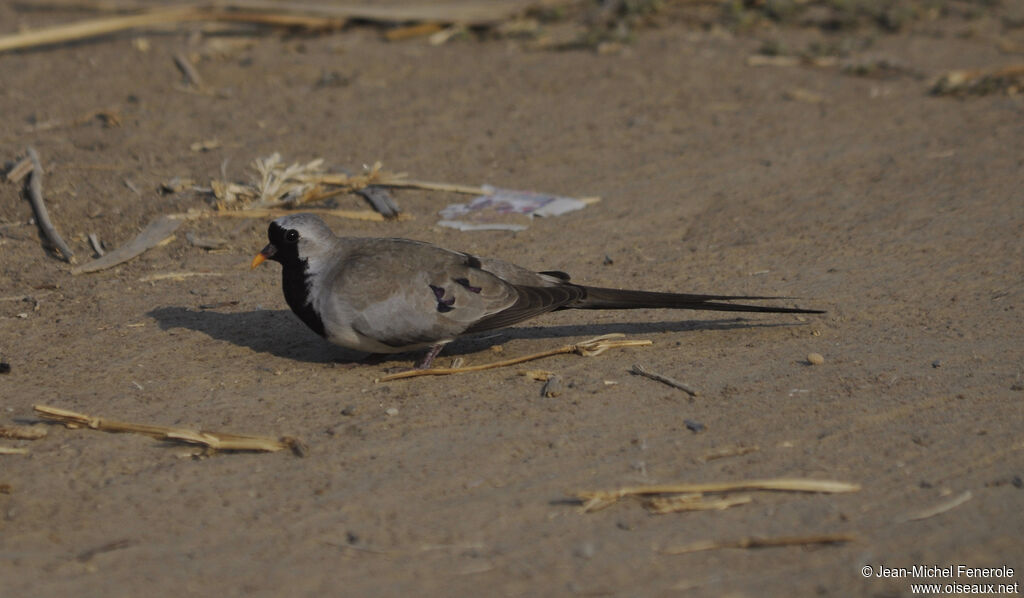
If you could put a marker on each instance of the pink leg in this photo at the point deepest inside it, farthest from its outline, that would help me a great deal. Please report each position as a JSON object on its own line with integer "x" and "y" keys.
{"x": 429, "y": 357}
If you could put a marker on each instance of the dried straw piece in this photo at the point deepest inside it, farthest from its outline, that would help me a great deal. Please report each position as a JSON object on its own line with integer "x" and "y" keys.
{"x": 306, "y": 15}
{"x": 418, "y": 30}
{"x": 368, "y": 215}
{"x": 218, "y": 441}
{"x": 94, "y": 28}
{"x": 729, "y": 451}
{"x": 22, "y": 432}
{"x": 1008, "y": 79}
{"x": 941, "y": 508}
{"x": 19, "y": 170}
{"x": 588, "y": 348}
{"x": 599, "y": 499}
{"x": 10, "y": 450}
{"x": 757, "y": 542}
{"x": 694, "y": 502}
{"x": 177, "y": 276}
{"x": 278, "y": 15}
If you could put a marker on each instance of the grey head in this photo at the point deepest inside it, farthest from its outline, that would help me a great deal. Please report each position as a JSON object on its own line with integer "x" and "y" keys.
{"x": 301, "y": 241}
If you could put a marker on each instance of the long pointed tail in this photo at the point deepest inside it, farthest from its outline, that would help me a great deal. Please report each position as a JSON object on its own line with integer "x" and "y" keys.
{"x": 601, "y": 298}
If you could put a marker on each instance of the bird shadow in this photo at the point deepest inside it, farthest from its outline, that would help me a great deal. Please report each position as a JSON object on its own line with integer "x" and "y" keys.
{"x": 480, "y": 341}
{"x": 279, "y": 333}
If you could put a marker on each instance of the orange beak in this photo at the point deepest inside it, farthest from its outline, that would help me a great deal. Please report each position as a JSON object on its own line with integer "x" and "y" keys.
{"x": 262, "y": 256}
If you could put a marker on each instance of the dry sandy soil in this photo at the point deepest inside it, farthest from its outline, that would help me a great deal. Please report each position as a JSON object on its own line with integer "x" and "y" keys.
{"x": 899, "y": 212}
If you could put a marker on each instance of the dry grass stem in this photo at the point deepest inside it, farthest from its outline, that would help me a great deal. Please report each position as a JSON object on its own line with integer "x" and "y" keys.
{"x": 588, "y": 348}
{"x": 1007, "y": 79}
{"x": 790, "y": 61}
{"x": 599, "y": 499}
{"x": 87, "y": 555}
{"x": 217, "y": 441}
{"x": 177, "y": 276}
{"x": 10, "y": 450}
{"x": 411, "y": 31}
{"x": 94, "y": 28}
{"x": 729, "y": 451}
{"x": 941, "y": 508}
{"x": 366, "y": 215}
{"x": 22, "y": 432}
{"x": 315, "y": 17}
{"x": 757, "y": 542}
{"x": 280, "y": 185}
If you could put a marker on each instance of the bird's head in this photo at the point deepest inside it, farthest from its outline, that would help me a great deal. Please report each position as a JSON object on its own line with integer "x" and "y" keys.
{"x": 295, "y": 238}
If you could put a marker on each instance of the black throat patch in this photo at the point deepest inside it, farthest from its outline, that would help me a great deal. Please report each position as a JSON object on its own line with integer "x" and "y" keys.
{"x": 296, "y": 293}
{"x": 294, "y": 279}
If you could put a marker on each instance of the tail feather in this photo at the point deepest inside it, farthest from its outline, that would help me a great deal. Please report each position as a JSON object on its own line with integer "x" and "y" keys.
{"x": 602, "y": 298}
{"x": 534, "y": 301}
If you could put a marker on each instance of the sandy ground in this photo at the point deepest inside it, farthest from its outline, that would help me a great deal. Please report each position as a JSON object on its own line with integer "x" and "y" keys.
{"x": 898, "y": 212}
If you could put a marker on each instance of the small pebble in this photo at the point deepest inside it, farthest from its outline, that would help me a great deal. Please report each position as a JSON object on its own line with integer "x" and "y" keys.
{"x": 586, "y": 550}
{"x": 391, "y": 411}
{"x": 815, "y": 359}
{"x": 694, "y": 426}
{"x": 552, "y": 388}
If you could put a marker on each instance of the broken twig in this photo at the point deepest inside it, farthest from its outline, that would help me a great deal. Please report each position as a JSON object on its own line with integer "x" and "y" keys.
{"x": 185, "y": 66}
{"x": 218, "y": 441}
{"x": 35, "y": 196}
{"x": 589, "y": 348}
{"x": 642, "y": 371}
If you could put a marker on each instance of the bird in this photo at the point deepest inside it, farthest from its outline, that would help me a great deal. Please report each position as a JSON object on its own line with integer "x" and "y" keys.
{"x": 393, "y": 295}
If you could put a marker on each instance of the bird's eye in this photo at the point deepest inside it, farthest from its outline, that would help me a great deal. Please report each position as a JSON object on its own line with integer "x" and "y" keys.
{"x": 292, "y": 236}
